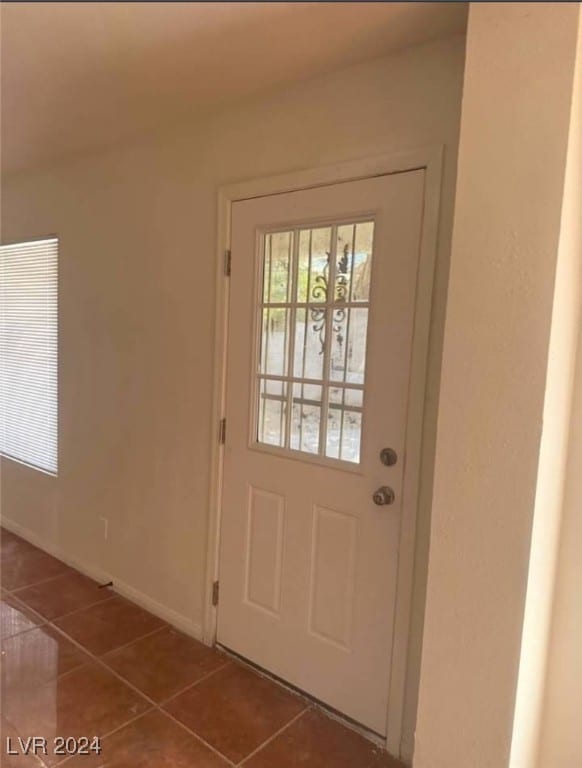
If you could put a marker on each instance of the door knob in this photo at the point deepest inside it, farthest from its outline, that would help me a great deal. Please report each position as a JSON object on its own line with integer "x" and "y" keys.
{"x": 388, "y": 456}
{"x": 384, "y": 495}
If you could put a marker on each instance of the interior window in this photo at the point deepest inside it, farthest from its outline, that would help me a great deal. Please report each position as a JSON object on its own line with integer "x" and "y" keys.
{"x": 28, "y": 352}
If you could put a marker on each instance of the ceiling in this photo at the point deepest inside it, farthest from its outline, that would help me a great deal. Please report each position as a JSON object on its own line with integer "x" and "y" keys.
{"x": 81, "y": 76}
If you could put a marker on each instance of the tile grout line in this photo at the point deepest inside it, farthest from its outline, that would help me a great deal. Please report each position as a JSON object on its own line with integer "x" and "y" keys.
{"x": 271, "y": 738}
{"x": 23, "y": 632}
{"x": 41, "y": 624}
{"x": 199, "y": 738}
{"x": 112, "y": 650}
{"x": 266, "y": 675}
{"x": 68, "y": 613}
{"x": 20, "y": 601}
{"x": 112, "y": 732}
{"x": 35, "y": 583}
{"x": 312, "y": 703}
{"x": 104, "y": 663}
{"x": 39, "y": 762}
{"x": 98, "y": 660}
{"x": 168, "y": 699}
{"x": 154, "y": 706}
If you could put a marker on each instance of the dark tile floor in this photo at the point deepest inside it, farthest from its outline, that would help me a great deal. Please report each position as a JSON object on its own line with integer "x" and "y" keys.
{"x": 80, "y": 661}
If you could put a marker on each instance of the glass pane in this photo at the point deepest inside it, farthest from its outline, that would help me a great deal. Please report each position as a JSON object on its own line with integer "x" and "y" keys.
{"x": 364, "y": 239}
{"x": 334, "y": 425}
{"x": 354, "y": 261}
{"x": 304, "y": 266}
{"x": 300, "y": 341}
{"x": 313, "y": 266}
{"x": 306, "y": 418}
{"x": 336, "y": 395}
{"x": 272, "y": 411}
{"x": 354, "y": 397}
{"x": 344, "y": 266}
{"x": 356, "y": 347}
{"x": 309, "y": 343}
{"x": 273, "y": 387}
{"x": 277, "y": 267}
{"x": 339, "y": 331}
{"x": 348, "y": 345}
{"x": 274, "y": 342}
{"x": 312, "y": 392}
{"x": 351, "y": 436}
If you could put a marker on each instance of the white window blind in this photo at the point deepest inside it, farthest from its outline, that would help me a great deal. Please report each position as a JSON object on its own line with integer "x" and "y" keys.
{"x": 28, "y": 352}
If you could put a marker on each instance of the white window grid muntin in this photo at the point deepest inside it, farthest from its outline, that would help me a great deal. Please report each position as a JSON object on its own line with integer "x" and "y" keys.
{"x": 287, "y": 380}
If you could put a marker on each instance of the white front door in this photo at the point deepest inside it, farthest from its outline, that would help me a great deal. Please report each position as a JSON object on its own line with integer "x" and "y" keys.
{"x": 322, "y": 303}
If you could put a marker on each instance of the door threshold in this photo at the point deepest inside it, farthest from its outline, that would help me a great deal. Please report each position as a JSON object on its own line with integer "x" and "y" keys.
{"x": 334, "y": 714}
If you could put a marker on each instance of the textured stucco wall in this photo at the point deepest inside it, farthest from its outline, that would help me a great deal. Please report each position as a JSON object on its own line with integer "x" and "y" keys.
{"x": 511, "y": 167}
{"x": 560, "y": 734}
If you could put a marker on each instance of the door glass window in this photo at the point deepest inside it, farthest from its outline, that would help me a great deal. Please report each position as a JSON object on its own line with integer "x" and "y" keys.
{"x": 313, "y": 319}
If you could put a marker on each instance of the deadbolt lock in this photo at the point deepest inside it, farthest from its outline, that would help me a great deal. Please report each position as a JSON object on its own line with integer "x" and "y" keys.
{"x": 384, "y": 495}
{"x": 388, "y": 456}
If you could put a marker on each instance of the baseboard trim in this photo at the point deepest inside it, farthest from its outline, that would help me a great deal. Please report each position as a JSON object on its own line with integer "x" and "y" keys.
{"x": 177, "y": 620}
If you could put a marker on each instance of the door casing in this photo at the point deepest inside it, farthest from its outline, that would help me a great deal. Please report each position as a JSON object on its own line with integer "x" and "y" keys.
{"x": 429, "y": 159}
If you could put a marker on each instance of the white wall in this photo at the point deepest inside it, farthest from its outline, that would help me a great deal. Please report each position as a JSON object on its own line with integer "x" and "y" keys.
{"x": 507, "y": 237}
{"x": 560, "y": 735}
{"x": 137, "y": 230}
{"x": 553, "y": 455}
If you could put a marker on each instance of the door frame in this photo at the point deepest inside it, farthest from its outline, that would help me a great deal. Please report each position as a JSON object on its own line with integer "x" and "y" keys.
{"x": 430, "y": 160}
